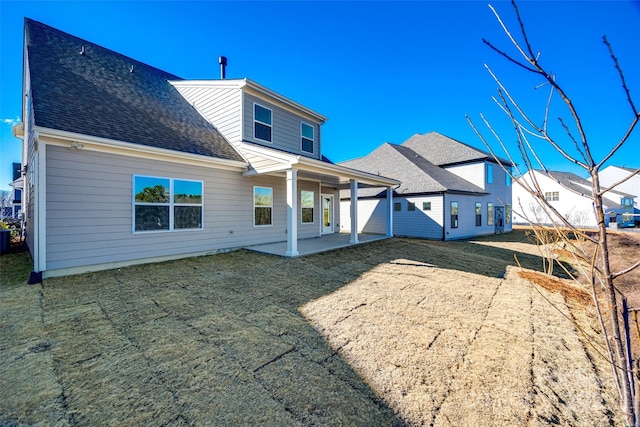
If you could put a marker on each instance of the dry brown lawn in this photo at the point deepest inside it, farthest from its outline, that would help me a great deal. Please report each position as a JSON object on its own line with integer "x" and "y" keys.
{"x": 395, "y": 332}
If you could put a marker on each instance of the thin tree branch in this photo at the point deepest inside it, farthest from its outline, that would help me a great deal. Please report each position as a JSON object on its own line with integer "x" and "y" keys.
{"x": 518, "y": 63}
{"x": 524, "y": 33}
{"x": 620, "y": 143}
{"x": 626, "y": 270}
{"x": 614, "y": 185}
{"x": 556, "y": 146}
{"x": 622, "y": 79}
{"x": 575, "y": 143}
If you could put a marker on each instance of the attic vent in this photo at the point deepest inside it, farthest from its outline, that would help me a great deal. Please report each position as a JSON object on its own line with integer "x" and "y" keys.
{"x": 82, "y": 50}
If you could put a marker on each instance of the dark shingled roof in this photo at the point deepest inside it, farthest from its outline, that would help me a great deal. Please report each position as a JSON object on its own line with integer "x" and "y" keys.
{"x": 442, "y": 150}
{"x": 416, "y": 173}
{"x": 99, "y": 94}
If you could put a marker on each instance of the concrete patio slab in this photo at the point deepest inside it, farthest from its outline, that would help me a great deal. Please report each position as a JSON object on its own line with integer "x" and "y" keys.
{"x": 315, "y": 245}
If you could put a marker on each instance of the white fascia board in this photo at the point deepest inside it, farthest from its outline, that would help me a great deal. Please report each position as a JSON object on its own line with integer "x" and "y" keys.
{"x": 219, "y": 84}
{"x": 93, "y": 143}
{"x": 303, "y": 163}
{"x": 18, "y": 130}
{"x": 313, "y": 165}
{"x": 268, "y": 92}
{"x": 269, "y": 153}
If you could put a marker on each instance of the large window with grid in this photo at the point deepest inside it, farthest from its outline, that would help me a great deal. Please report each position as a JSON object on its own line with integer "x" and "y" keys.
{"x": 165, "y": 204}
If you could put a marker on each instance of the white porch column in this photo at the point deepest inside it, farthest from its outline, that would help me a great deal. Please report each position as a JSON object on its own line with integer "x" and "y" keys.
{"x": 390, "y": 216}
{"x": 354, "y": 211}
{"x": 292, "y": 212}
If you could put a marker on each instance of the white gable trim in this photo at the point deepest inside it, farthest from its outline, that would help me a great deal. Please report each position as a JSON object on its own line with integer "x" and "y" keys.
{"x": 255, "y": 89}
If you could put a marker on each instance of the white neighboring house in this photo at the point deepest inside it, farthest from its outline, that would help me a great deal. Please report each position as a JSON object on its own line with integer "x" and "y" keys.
{"x": 612, "y": 174}
{"x": 450, "y": 190}
{"x": 571, "y": 196}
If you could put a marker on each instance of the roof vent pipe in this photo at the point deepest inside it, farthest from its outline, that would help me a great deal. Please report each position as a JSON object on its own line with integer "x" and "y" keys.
{"x": 223, "y": 65}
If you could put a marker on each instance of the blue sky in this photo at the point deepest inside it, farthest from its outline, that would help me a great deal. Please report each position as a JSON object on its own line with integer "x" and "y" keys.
{"x": 380, "y": 71}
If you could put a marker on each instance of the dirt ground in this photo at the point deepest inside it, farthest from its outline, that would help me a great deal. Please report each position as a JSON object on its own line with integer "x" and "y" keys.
{"x": 395, "y": 332}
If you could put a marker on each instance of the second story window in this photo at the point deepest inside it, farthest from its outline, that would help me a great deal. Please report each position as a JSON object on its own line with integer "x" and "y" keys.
{"x": 489, "y": 174}
{"x": 261, "y": 123}
{"x": 552, "y": 196}
{"x": 306, "y": 133}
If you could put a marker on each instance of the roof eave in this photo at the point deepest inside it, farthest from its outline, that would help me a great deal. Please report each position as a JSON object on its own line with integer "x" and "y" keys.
{"x": 106, "y": 144}
{"x": 255, "y": 87}
{"x": 344, "y": 172}
{"x": 18, "y": 130}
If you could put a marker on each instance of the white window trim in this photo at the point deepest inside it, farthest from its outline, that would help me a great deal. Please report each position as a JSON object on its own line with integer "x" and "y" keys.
{"x": 313, "y": 138}
{"x": 253, "y": 195}
{"x": 490, "y": 214}
{"x": 171, "y": 205}
{"x": 262, "y": 123}
{"x": 552, "y": 196}
{"x": 313, "y": 207}
{"x": 451, "y": 214}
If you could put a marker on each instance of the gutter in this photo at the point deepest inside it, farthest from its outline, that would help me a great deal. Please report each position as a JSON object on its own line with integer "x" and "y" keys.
{"x": 111, "y": 145}
{"x": 444, "y": 216}
{"x": 346, "y": 172}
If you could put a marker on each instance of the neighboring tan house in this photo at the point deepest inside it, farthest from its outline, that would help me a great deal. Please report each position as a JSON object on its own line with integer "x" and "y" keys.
{"x": 449, "y": 190}
{"x": 571, "y": 196}
{"x": 125, "y": 163}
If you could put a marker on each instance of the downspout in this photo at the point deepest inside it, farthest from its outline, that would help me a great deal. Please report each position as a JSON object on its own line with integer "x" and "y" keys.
{"x": 444, "y": 216}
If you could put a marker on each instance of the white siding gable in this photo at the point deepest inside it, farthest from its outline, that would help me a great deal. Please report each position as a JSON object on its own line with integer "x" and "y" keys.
{"x": 612, "y": 174}
{"x": 220, "y": 106}
{"x": 472, "y": 172}
{"x": 574, "y": 207}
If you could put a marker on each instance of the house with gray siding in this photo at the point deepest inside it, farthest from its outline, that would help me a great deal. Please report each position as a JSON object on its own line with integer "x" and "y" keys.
{"x": 124, "y": 163}
{"x": 449, "y": 190}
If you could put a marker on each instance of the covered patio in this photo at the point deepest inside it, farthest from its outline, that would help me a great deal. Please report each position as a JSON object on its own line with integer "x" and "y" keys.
{"x": 327, "y": 242}
{"x": 294, "y": 168}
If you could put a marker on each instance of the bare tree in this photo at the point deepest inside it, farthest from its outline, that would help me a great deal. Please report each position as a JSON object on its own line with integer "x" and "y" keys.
{"x": 570, "y": 140}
